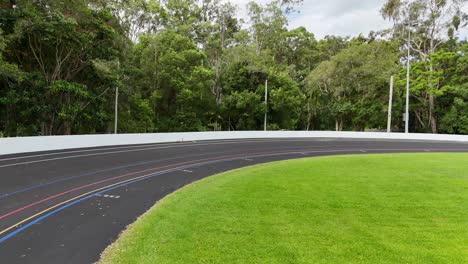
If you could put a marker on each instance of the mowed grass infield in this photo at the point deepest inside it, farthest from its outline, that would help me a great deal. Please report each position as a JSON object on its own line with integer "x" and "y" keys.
{"x": 398, "y": 208}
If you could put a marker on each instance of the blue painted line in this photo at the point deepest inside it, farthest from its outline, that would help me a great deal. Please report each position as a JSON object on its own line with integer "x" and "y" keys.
{"x": 81, "y": 175}
{"x": 72, "y": 177}
{"x": 37, "y": 220}
{"x": 12, "y": 234}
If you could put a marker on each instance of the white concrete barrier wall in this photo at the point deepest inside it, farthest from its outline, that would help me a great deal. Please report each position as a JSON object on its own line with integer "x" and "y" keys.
{"x": 34, "y": 144}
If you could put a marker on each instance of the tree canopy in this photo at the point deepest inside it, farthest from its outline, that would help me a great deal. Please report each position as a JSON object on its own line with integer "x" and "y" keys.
{"x": 195, "y": 65}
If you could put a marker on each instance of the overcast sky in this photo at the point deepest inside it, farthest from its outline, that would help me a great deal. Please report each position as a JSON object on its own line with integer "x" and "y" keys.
{"x": 337, "y": 17}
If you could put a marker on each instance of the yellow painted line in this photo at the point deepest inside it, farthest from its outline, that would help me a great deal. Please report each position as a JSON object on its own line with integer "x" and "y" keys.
{"x": 146, "y": 175}
{"x": 100, "y": 189}
{"x": 75, "y": 198}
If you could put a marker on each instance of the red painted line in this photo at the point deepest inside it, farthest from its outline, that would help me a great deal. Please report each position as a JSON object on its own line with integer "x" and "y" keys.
{"x": 82, "y": 187}
{"x": 121, "y": 176}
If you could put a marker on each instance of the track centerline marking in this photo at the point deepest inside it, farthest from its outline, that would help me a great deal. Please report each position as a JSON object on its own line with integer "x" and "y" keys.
{"x": 129, "y": 181}
{"x": 113, "y": 178}
{"x": 170, "y": 165}
{"x": 148, "y": 175}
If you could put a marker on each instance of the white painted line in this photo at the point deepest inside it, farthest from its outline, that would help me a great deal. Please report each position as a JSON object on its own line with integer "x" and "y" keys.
{"x": 109, "y": 196}
{"x": 115, "y": 152}
{"x": 176, "y": 145}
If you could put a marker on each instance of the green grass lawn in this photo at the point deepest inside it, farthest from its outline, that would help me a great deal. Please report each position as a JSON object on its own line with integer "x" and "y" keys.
{"x": 408, "y": 208}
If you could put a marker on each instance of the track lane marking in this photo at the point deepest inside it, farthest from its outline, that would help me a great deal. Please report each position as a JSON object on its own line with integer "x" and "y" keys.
{"x": 91, "y": 149}
{"x": 141, "y": 149}
{"x": 161, "y": 167}
{"x": 103, "y": 170}
{"x": 121, "y": 183}
{"x": 69, "y": 200}
{"x": 112, "y": 178}
{"x": 31, "y": 187}
{"x": 129, "y": 181}
{"x": 156, "y": 173}
{"x": 87, "y": 185}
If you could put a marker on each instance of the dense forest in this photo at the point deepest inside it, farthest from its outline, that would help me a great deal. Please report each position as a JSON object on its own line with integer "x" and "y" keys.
{"x": 196, "y": 65}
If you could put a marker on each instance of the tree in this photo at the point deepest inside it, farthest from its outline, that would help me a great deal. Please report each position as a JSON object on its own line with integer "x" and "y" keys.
{"x": 431, "y": 22}
{"x": 173, "y": 71}
{"x": 56, "y": 44}
{"x": 9, "y": 76}
{"x": 220, "y": 28}
{"x": 135, "y": 16}
{"x": 454, "y": 109}
{"x": 286, "y": 101}
{"x": 195, "y": 65}
{"x": 268, "y": 29}
{"x": 354, "y": 84}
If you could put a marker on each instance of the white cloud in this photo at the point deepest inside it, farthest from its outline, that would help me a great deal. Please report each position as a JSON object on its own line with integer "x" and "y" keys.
{"x": 464, "y": 32}
{"x": 337, "y": 17}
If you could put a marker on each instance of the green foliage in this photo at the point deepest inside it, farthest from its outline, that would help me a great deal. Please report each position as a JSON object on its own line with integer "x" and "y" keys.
{"x": 455, "y": 121}
{"x": 242, "y": 110}
{"x": 286, "y": 101}
{"x": 454, "y": 111}
{"x": 433, "y": 26}
{"x": 189, "y": 65}
{"x": 355, "y": 84}
{"x": 136, "y": 115}
{"x": 55, "y": 46}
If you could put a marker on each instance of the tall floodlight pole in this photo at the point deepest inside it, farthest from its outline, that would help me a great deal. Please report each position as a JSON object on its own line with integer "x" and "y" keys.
{"x": 408, "y": 67}
{"x": 266, "y": 105}
{"x": 390, "y": 102}
{"x": 116, "y": 118}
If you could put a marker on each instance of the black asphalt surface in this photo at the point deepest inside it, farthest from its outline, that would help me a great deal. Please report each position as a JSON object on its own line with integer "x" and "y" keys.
{"x": 68, "y": 206}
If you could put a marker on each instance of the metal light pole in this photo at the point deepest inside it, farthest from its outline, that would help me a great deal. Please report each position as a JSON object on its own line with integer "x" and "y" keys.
{"x": 116, "y": 118}
{"x": 266, "y": 104}
{"x": 390, "y": 102}
{"x": 408, "y": 67}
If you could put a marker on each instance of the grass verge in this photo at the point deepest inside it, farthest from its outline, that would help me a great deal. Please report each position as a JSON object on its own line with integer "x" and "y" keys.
{"x": 405, "y": 208}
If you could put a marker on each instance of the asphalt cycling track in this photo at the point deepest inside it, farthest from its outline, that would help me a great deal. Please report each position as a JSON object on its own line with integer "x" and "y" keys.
{"x": 67, "y": 206}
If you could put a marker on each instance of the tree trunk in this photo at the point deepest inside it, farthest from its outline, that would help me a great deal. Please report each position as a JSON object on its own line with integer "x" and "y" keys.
{"x": 339, "y": 124}
{"x": 67, "y": 127}
{"x": 432, "y": 118}
{"x": 218, "y": 94}
{"x": 67, "y": 124}
{"x": 11, "y": 124}
{"x": 42, "y": 129}
{"x": 46, "y": 128}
